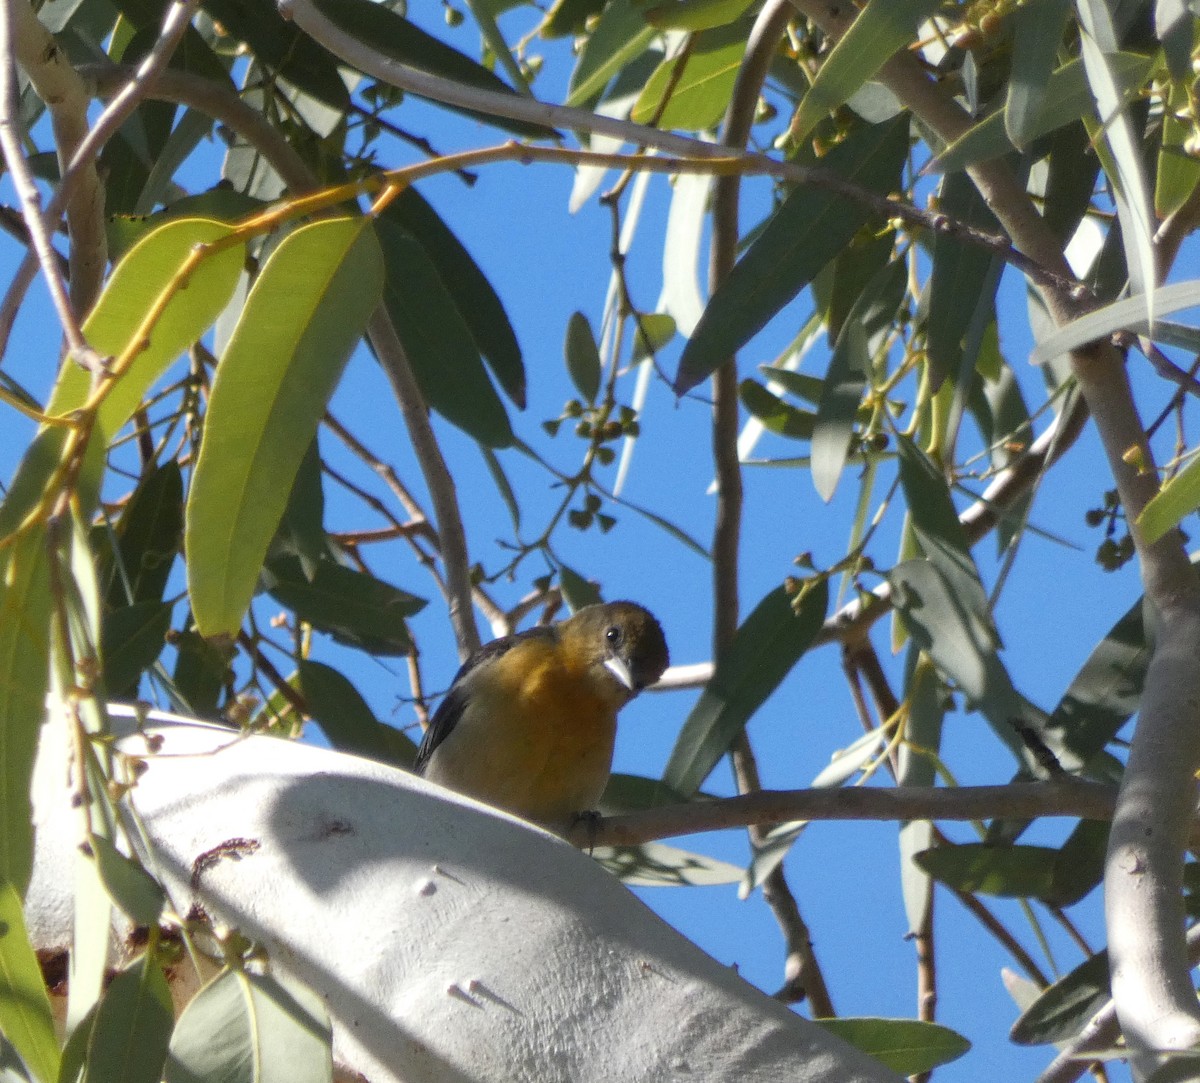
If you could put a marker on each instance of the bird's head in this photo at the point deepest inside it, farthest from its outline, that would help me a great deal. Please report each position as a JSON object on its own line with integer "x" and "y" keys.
{"x": 623, "y": 643}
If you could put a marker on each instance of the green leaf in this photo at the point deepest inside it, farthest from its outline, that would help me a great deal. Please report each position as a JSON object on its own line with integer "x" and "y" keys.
{"x": 917, "y": 766}
{"x": 141, "y": 280}
{"x": 699, "y": 81}
{"x": 1014, "y": 872}
{"x": 881, "y": 29}
{"x": 477, "y": 302}
{"x": 283, "y": 48}
{"x": 577, "y": 591}
{"x": 241, "y": 1020}
{"x": 809, "y": 230}
{"x": 1079, "y": 865}
{"x": 1067, "y": 97}
{"x": 960, "y": 282}
{"x": 654, "y": 864}
{"x": 222, "y": 204}
{"x": 346, "y": 720}
{"x": 1178, "y": 171}
{"x": 1038, "y": 34}
{"x": 1178, "y": 498}
{"x": 695, "y": 14}
{"x": 833, "y": 430}
{"x": 776, "y": 415}
{"x": 25, "y": 609}
{"x": 1107, "y": 691}
{"x": 652, "y": 332}
{"x": 25, "y": 1018}
{"x": 131, "y": 638}
{"x": 133, "y": 1027}
{"x": 439, "y": 345}
{"x": 302, "y": 528}
{"x": 148, "y": 537}
{"x": 386, "y": 32}
{"x": 1129, "y": 315}
{"x": 583, "y": 357}
{"x": 621, "y": 35}
{"x": 634, "y": 793}
{"x": 129, "y": 885}
{"x": 201, "y": 668}
{"x": 764, "y": 650}
{"x": 1060, "y": 1013}
{"x": 303, "y": 317}
{"x": 907, "y": 1046}
{"x": 353, "y": 607}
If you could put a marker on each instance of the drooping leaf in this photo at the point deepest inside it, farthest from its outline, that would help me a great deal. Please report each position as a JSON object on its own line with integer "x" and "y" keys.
{"x": 880, "y": 29}
{"x": 691, "y": 91}
{"x": 1062, "y": 1010}
{"x": 620, "y": 36}
{"x": 148, "y": 274}
{"x": 440, "y": 349}
{"x": 129, "y": 885}
{"x": 652, "y": 332}
{"x": 583, "y": 357}
{"x": 907, "y": 1046}
{"x": 695, "y": 14}
{"x": 133, "y": 1027}
{"x": 304, "y": 315}
{"x": 765, "y": 648}
{"x": 149, "y": 534}
{"x": 1038, "y": 33}
{"x": 577, "y": 591}
{"x": 347, "y": 721}
{"x": 25, "y": 609}
{"x": 1079, "y": 866}
{"x": 776, "y": 415}
{"x": 1018, "y": 872}
{"x": 809, "y": 230}
{"x": 477, "y": 302}
{"x": 242, "y": 1021}
{"x": 1066, "y": 99}
{"x": 1178, "y": 171}
{"x": 131, "y": 638}
{"x": 25, "y": 1018}
{"x": 353, "y": 607}
{"x": 387, "y": 32}
{"x": 833, "y": 428}
{"x": 201, "y": 670}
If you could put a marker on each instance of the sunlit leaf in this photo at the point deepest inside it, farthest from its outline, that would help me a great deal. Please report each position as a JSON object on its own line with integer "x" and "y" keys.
{"x": 691, "y": 91}
{"x": 907, "y": 1046}
{"x": 147, "y": 275}
{"x": 809, "y": 230}
{"x": 695, "y": 14}
{"x": 304, "y": 315}
{"x": 25, "y": 1018}
{"x": 766, "y": 647}
{"x": 1178, "y": 498}
{"x": 621, "y": 35}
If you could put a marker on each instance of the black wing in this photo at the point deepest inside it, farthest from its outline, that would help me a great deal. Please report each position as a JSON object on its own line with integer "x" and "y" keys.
{"x": 451, "y": 708}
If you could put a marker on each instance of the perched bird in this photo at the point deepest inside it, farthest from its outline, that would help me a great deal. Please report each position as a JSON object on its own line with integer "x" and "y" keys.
{"x": 529, "y": 723}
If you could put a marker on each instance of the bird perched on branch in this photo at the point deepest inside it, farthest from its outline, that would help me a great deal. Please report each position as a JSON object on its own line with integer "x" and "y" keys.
{"x": 529, "y": 723}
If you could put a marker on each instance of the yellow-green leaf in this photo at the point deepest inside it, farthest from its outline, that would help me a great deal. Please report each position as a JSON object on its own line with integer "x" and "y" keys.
{"x": 302, "y": 319}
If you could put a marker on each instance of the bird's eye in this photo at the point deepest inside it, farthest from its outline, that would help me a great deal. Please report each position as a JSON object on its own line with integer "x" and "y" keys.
{"x": 613, "y": 635}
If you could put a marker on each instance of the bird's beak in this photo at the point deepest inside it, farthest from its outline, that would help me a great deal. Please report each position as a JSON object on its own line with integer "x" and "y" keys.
{"x": 618, "y": 668}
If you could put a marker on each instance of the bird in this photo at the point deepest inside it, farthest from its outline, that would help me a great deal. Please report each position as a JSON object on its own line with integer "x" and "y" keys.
{"x": 529, "y": 722}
